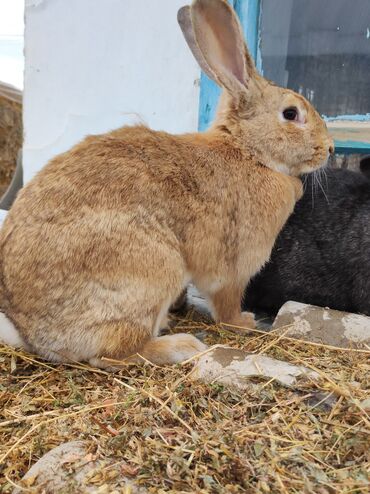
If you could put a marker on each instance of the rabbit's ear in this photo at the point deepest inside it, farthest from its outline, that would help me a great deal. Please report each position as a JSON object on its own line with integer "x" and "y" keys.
{"x": 219, "y": 36}
{"x": 184, "y": 20}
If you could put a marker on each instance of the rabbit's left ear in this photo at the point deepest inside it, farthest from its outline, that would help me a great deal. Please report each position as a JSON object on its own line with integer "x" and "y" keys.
{"x": 219, "y": 45}
{"x": 184, "y": 20}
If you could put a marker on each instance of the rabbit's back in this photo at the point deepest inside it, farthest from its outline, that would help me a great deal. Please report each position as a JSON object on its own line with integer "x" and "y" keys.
{"x": 91, "y": 214}
{"x": 322, "y": 256}
{"x": 121, "y": 207}
{"x": 131, "y": 162}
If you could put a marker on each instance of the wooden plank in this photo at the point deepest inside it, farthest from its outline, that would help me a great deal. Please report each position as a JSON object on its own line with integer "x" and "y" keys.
{"x": 350, "y": 136}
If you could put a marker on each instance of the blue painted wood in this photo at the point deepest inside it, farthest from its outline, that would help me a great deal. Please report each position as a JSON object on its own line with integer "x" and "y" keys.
{"x": 249, "y": 15}
{"x": 208, "y": 100}
{"x": 248, "y": 12}
{"x": 350, "y": 118}
{"x": 352, "y": 147}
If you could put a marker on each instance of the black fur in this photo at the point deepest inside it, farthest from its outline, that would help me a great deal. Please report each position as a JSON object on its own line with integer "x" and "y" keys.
{"x": 365, "y": 166}
{"x": 322, "y": 256}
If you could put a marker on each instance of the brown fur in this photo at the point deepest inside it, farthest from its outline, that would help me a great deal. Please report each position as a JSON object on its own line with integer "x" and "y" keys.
{"x": 103, "y": 240}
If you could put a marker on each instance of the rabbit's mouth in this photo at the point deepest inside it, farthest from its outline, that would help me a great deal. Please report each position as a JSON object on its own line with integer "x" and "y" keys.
{"x": 313, "y": 168}
{"x": 299, "y": 169}
{"x": 293, "y": 171}
{"x": 279, "y": 166}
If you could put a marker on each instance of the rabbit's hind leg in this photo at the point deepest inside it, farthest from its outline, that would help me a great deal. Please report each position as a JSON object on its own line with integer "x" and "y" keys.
{"x": 172, "y": 349}
{"x": 140, "y": 314}
{"x": 169, "y": 349}
{"x": 124, "y": 343}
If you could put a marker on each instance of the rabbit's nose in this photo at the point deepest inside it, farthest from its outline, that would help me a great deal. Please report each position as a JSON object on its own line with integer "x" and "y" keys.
{"x": 331, "y": 149}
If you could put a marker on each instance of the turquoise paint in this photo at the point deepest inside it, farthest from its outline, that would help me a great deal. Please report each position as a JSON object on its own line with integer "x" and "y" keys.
{"x": 349, "y": 118}
{"x": 208, "y": 99}
{"x": 248, "y": 12}
{"x": 258, "y": 60}
{"x": 249, "y": 15}
{"x": 352, "y": 147}
{"x": 349, "y": 146}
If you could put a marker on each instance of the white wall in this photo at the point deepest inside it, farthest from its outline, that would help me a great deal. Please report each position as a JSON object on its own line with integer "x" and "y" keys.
{"x": 11, "y": 42}
{"x": 94, "y": 65}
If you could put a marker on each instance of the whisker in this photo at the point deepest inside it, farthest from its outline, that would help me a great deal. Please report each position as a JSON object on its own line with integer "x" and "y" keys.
{"x": 325, "y": 176}
{"x": 312, "y": 193}
{"x": 318, "y": 178}
{"x": 305, "y": 183}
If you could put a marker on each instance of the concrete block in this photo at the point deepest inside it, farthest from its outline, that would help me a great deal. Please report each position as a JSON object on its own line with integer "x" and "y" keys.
{"x": 323, "y": 325}
{"x": 233, "y": 367}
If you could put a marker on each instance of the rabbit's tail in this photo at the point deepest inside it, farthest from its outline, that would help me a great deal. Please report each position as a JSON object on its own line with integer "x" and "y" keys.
{"x": 9, "y": 334}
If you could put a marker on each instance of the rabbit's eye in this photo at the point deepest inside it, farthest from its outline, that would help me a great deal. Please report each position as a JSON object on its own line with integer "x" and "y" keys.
{"x": 290, "y": 113}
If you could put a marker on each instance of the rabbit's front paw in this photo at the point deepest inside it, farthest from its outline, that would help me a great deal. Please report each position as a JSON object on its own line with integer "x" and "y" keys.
{"x": 241, "y": 323}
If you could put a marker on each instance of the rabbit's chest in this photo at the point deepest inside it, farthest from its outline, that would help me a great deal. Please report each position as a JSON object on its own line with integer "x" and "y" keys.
{"x": 260, "y": 224}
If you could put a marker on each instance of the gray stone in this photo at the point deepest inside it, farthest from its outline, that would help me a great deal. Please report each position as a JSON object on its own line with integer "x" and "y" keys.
{"x": 234, "y": 367}
{"x": 323, "y": 325}
{"x": 71, "y": 467}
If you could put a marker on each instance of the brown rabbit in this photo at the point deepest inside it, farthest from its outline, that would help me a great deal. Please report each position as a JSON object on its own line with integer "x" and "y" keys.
{"x": 103, "y": 240}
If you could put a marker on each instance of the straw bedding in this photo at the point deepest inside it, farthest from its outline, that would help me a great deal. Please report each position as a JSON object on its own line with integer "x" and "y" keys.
{"x": 11, "y": 130}
{"x": 172, "y": 434}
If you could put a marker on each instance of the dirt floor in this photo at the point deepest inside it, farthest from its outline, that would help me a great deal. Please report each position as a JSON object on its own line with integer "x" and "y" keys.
{"x": 170, "y": 433}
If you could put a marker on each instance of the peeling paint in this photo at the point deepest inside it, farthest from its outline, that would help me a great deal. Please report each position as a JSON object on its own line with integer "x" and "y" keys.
{"x": 353, "y": 118}
{"x": 33, "y": 3}
{"x": 356, "y": 327}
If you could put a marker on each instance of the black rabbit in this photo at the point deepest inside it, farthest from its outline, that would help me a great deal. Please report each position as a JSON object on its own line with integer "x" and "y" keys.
{"x": 322, "y": 256}
{"x": 365, "y": 166}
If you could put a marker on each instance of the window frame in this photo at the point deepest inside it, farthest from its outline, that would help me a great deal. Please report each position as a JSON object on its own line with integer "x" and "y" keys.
{"x": 351, "y": 132}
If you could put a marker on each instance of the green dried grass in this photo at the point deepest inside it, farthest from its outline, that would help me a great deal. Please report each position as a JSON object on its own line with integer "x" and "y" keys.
{"x": 175, "y": 435}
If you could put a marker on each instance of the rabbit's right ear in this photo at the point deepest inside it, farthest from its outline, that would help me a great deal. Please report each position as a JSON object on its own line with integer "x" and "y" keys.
{"x": 215, "y": 37}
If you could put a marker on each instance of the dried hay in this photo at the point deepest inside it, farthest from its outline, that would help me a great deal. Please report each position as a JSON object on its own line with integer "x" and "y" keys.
{"x": 172, "y": 434}
{"x": 11, "y": 133}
